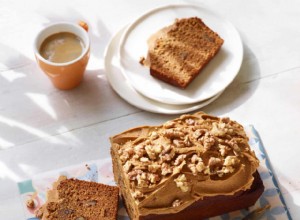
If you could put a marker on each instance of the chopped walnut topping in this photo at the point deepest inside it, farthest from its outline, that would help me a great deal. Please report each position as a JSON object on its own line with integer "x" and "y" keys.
{"x": 172, "y": 133}
{"x": 178, "y": 168}
{"x": 198, "y": 133}
{"x": 228, "y": 169}
{"x": 154, "y": 178}
{"x": 181, "y": 182}
{"x": 218, "y": 129}
{"x": 154, "y": 135}
{"x": 167, "y": 157}
{"x": 125, "y": 155}
{"x": 182, "y": 143}
{"x": 225, "y": 170}
{"x": 142, "y": 180}
{"x": 157, "y": 149}
{"x": 153, "y": 168}
{"x": 169, "y": 124}
{"x": 230, "y": 161}
{"x": 179, "y": 159}
{"x": 223, "y": 150}
{"x": 196, "y": 165}
{"x": 214, "y": 162}
{"x": 137, "y": 194}
{"x": 192, "y": 167}
{"x": 178, "y": 143}
{"x": 200, "y": 166}
{"x": 208, "y": 141}
{"x": 133, "y": 174}
{"x": 195, "y": 158}
{"x": 176, "y": 203}
{"x": 139, "y": 150}
{"x": 153, "y": 151}
{"x": 127, "y": 166}
{"x": 187, "y": 141}
{"x": 234, "y": 145}
{"x": 166, "y": 149}
{"x": 144, "y": 159}
{"x": 225, "y": 120}
{"x": 166, "y": 169}
{"x": 190, "y": 121}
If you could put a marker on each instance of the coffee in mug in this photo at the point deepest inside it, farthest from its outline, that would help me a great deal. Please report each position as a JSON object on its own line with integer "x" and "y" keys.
{"x": 62, "y": 51}
{"x": 61, "y": 47}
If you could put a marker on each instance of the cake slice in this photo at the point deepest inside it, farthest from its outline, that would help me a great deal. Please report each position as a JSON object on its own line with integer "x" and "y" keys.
{"x": 72, "y": 199}
{"x": 193, "y": 167}
{"x": 177, "y": 53}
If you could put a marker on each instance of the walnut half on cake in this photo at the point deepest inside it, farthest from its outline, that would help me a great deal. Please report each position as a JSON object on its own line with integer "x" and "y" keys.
{"x": 193, "y": 167}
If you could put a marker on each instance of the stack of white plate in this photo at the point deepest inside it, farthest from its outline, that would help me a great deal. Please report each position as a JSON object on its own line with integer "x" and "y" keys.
{"x": 133, "y": 82}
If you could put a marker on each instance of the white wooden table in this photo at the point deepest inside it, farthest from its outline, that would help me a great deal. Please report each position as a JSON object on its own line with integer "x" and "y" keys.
{"x": 42, "y": 128}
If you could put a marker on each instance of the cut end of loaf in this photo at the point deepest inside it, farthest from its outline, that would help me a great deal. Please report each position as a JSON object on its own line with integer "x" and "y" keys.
{"x": 78, "y": 199}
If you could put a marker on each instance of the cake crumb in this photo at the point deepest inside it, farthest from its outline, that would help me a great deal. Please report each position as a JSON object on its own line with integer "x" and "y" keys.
{"x": 142, "y": 61}
{"x": 30, "y": 203}
{"x": 88, "y": 167}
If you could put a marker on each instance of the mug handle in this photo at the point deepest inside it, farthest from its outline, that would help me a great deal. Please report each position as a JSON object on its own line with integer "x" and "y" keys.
{"x": 84, "y": 25}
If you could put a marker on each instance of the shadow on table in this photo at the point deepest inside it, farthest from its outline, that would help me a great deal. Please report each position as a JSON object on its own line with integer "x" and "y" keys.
{"x": 242, "y": 87}
{"x": 47, "y": 111}
{"x": 12, "y": 59}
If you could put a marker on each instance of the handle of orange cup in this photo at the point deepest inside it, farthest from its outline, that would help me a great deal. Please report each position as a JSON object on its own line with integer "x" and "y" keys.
{"x": 84, "y": 25}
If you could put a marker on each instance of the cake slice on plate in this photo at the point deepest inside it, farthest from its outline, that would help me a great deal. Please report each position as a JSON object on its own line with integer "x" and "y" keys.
{"x": 177, "y": 53}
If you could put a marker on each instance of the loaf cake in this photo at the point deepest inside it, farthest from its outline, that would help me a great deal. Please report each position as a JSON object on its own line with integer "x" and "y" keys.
{"x": 177, "y": 53}
{"x": 193, "y": 167}
{"x": 72, "y": 199}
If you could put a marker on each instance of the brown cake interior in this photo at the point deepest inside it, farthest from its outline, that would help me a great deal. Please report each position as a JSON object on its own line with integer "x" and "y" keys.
{"x": 177, "y": 53}
{"x": 80, "y": 200}
{"x": 185, "y": 164}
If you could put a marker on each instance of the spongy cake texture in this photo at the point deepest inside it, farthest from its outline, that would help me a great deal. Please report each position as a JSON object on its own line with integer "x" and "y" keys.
{"x": 72, "y": 199}
{"x": 177, "y": 53}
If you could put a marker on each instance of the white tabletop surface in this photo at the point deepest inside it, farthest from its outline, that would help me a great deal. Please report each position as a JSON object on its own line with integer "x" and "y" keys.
{"x": 42, "y": 128}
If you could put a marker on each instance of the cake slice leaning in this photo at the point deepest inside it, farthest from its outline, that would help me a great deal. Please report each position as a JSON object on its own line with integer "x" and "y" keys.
{"x": 72, "y": 199}
{"x": 193, "y": 167}
{"x": 177, "y": 53}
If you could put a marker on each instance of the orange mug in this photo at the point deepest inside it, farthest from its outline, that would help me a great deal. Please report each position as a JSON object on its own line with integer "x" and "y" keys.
{"x": 66, "y": 75}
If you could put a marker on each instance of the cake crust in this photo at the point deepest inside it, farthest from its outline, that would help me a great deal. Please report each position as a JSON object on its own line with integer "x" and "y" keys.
{"x": 164, "y": 170}
{"x": 177, "y": 53}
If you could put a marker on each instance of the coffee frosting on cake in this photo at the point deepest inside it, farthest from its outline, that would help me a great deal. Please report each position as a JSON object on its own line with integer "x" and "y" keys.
{"x": 169, "y": 167}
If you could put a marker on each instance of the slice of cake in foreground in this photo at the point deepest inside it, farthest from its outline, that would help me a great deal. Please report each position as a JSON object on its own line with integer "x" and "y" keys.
{"x": 193, "y": 167}
{"x": 177, "y": 53}
{"x": 72, "y": 199}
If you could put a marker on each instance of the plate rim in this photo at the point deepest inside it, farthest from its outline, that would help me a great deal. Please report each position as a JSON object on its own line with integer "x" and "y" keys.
{"x": 238, "y": 59}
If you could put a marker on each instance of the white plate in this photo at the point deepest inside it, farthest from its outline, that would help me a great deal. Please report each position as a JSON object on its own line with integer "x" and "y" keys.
{"x": 124, "y": 89}
{"x": 214, "y": 78}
